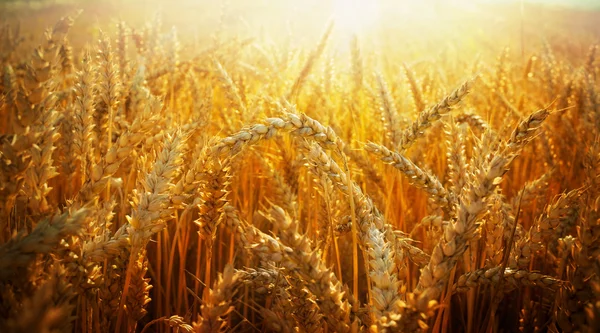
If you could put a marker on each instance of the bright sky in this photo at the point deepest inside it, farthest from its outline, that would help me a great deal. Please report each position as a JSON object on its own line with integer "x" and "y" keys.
{"x": 572, "y": 3}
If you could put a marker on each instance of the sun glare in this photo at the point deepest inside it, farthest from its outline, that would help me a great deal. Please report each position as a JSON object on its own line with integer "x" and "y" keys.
{"x": 363, "y": 16}
{"x": 354, "y": 16}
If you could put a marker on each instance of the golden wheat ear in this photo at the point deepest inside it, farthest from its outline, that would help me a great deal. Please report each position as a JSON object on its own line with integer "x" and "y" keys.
{"x": 245, "y": 166}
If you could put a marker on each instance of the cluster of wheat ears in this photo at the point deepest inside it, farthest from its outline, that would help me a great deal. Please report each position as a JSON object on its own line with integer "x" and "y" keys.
{"x": 252, "y": 188}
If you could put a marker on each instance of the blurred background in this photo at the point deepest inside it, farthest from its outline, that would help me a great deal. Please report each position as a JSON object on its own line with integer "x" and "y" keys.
{"x": 401, "y": 25}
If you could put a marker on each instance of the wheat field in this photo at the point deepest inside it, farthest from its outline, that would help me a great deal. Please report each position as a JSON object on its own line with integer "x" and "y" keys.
{"x": 257, "y": 166}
